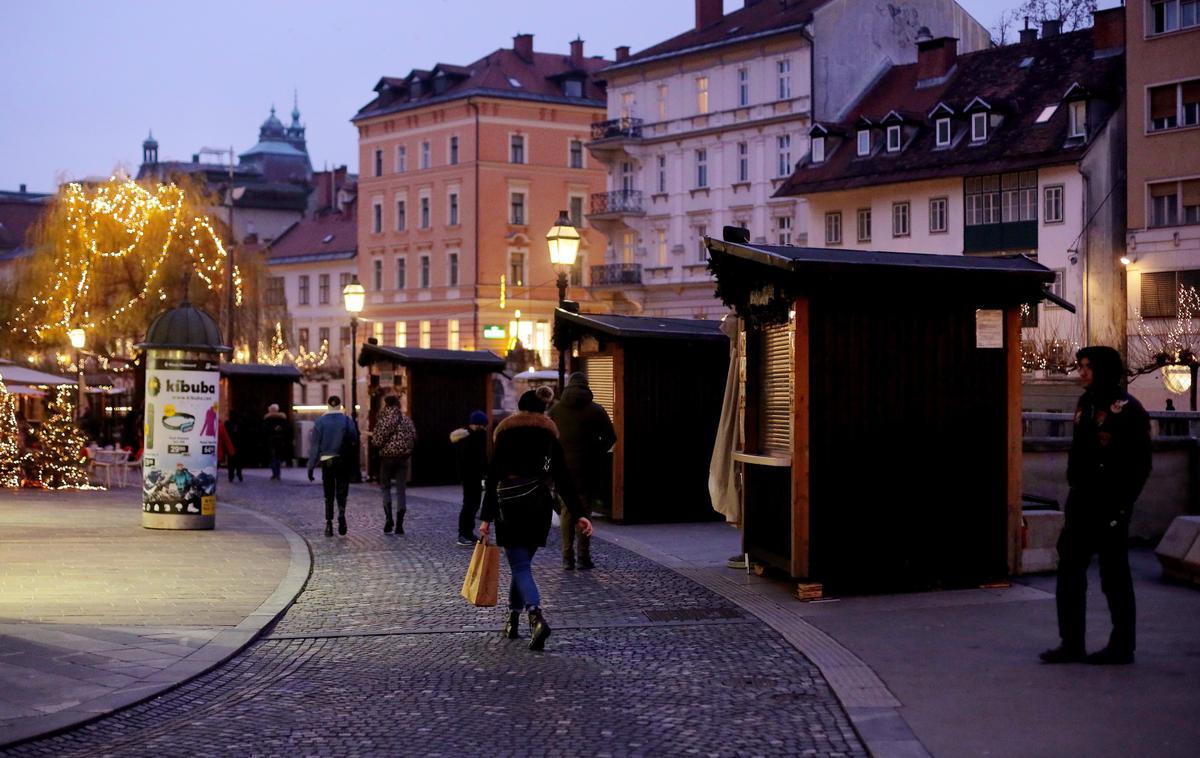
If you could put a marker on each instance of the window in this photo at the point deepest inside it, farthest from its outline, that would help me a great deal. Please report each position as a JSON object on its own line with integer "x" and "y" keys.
{"x": 979, "y": 127}
{"x": 864, "y": 142}
{"x": 323, "y": 289}
{"x": 662, "y": 102}
{"x": 377, "y": 332}
{"x": 662, "y": 174}
{"x": 660, "y": 245}
{"x": 702, "y": 94}
{"x": 424, "y": 282}
{"x": 743, "y": 161}
{"x": 1046, "y": 114}
{"x": 452, "y": 333}
{"x": 302, "y": 338}
{"x": 516, "y": 148}
{"x": 516, "y": 269}
{"x": 344, "y": 336}
{"x": 627, "y": 106}
{"x": 378, "y": 163}
{"x": 783, "y": 154}
{"x": 1170, "y": 15}
{"x": 575, "y": 153}
{"x": 575, "y": 210}
{"x": 1174, "y": 105}
{"x": 893, "y": 138}
{"x": 626, "y": 176}
{"x": 996, "y": 198}
{"x": 833, "y": 228}
{"x": 344, "y": 278}
{"x": 426, "y": 157}
{"x": 377, "y": 217}
{"x": 783, "y": 230}
{"x": 1078, "y": 118}
{"x": 937, "y": 215}
{"x": 377, "y": 274}
{"x": 401, "y": 334}
{"x": 1165, "y": 202}
{"x": 743, "y": 87}
{"x": 943, "y": 132}
{"x": 303, "y": 299}
{"x": 401, "y": 216}
{"x": 276, "y": 294}
{"x": 426, "y": 340}
{"x": 864, "y": 224}
{"x": 454, "y": 151}
{"x": 322, "y": 337}
{"x": 702, "y": 251}
{"x": 1052, "y": 204}
{"x": 452, "y": 266}
{"x": 401, "y": 273}
{"x": 1160, "y": 292}
{"x": 628, "y": 241}
{"x": 425, "y": 220}
{"x": 900, "y": 216}
{"x": 573, "y": 88}
{"x": 453, "y": 209}
{"x": 517, "y": 208}
{"x": 818, "y": 150}
{"x": 701, "y": 168}
{"x": 783, "y": 69}
{"x": 401, "y": 159}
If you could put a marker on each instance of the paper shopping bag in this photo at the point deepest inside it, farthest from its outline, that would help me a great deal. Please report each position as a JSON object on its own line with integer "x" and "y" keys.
{"x": 483, "y": 575}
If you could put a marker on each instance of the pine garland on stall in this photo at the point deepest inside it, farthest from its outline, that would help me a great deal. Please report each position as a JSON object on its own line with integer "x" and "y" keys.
{"x": 61, "y": 461}
{"x": 12, "y": 460}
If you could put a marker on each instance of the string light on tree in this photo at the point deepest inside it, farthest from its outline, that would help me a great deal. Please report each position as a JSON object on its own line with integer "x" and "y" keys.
{"x": 59, "y": 460}
{"x": 12, "y": 460}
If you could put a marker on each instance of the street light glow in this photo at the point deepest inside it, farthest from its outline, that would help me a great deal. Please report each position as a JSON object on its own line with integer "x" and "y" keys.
{"x": 563, "y": 240}
{"x": 355, "y": 296}
{"x": 78, "y": 337}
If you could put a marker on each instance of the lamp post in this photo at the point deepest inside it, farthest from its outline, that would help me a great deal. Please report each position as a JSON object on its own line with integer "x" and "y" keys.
{"x": 354, "y": 296}
{"x": 78, "y": 338}
{"x": 563, "y": 241}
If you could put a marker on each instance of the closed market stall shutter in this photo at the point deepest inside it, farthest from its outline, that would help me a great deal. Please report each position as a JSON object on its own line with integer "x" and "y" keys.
{"x": 599, "y": 369}
{"x": 1159, "y": 295}
{"x": 776, "y": 428}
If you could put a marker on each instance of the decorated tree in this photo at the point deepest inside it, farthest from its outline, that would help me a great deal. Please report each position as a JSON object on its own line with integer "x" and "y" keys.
{"x": 12, "y": 460}
{"x": 59, "y": 459}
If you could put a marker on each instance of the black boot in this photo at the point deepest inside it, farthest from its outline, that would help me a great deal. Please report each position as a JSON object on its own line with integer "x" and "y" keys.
{"x": 400, "y": 522}
{"x": 387, "y": 513}
{"x": 342, "y": 524}
{"x": 328, "y": 528}
{"x": 510, "y": 626}
{"x": 539, "y": 630}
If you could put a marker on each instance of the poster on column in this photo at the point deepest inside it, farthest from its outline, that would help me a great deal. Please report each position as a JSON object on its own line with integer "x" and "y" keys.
{"x": 179, "y": 465}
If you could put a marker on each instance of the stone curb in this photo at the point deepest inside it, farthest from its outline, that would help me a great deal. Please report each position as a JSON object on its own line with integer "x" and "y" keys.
{"x": 218, "y": 650}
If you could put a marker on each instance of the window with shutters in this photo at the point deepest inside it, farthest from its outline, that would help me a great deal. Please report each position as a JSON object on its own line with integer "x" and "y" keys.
{"x": 601, "y": 381}
{"x": 775, "y": 390}
{"x": 1174, "y": 105}
{"x": 1176, "y": 202}
{"x": 1160, "y": 292}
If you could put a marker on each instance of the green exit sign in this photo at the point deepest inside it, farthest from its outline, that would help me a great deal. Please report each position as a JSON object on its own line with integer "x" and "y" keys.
{"x": 493, "y": 332}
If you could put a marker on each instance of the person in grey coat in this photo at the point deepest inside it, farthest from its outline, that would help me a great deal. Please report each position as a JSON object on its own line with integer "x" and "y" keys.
{"x": 333, "y": 444}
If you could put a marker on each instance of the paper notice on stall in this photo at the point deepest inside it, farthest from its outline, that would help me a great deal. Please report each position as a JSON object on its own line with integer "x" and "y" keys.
{"x": 989, "y": 328}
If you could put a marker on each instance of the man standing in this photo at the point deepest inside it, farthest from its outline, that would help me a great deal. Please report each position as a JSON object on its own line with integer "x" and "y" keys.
{"x": 470, "y": 447}
{"x": 394, "y": 436}
{"x": 333, "y": 443}
{"x": 279, "y": 436}
{"x": 586, "y": 434}
{"x": 1107, "y": 467}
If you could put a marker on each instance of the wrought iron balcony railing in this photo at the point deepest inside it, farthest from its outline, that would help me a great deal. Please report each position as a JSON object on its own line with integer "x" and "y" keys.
{"x": 613, "y": 274}
{"x": 626, "y": 127}
{"x": 619, "y": 201}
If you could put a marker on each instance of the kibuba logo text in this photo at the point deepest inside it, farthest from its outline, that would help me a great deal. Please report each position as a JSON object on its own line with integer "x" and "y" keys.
{"x": 178, "y": 385}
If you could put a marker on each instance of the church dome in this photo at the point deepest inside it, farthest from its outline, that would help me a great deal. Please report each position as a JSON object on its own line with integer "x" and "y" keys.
{"x": 272, "y": 128}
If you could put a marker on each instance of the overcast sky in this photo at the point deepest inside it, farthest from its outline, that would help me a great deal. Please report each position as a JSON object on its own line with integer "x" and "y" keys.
{"x": 83, "y": 83}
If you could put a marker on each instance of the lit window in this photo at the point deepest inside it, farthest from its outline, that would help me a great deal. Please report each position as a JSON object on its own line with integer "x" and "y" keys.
{"x": 979, "y": 126}
{"x": 864, "y": 141}
{"x": 702, "y": 94}
{"x": 893, "y": 139}
{"x": 943, "y": 132}
{"x": 452, "y": 333}
{"x": 516, "y": 269}
{"x": 401, "y": 334}
{"x": 426, "y": 336}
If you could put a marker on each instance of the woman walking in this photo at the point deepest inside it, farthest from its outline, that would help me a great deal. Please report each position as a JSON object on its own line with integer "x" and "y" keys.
{"x": 527, "y": 459}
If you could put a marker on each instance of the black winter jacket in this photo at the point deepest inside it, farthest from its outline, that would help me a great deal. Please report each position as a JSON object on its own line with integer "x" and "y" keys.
{"x": 1110, "y": 456}
{"x": 470, "y": 447}
{"x": 523, "y": 441}
{"x": 586, "y": 434}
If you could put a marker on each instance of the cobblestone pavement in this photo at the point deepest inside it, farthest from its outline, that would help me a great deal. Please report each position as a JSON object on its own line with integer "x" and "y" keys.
{"x": 379, "y": 655}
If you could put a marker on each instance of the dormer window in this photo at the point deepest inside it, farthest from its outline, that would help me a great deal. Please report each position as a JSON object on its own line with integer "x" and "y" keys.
{"x": 415, "y": 88}
{"x": 818, "y": 150}
{"x": 573, "y": 88}
{"x": 979, "y": 126}
{"x": 864, "y": 142}
{"x": 942, "y": 127}
{"x": 1078, "y": 118}
{"x": 893, "y": 139}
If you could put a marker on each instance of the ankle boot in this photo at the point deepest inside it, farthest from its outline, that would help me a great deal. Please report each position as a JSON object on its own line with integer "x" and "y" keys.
{"x": 342, "y": 523}
{"x": 400, "y": 522}
{"x": 387, "y": 514}
{"x": 328, "y": 528}
{"x": 539, "y": 630}
{"x": 510, "y": 626}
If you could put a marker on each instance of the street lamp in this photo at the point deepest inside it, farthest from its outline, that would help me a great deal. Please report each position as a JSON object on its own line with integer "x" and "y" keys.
{"x": 78, "y": 338}
{"x": 354, "y": 295}
{"x": 563, "y": 241}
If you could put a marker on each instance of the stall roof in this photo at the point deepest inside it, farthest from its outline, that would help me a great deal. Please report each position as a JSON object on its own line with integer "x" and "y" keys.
{"x": 644, "y": 327}
{"x": 17, "y": 374}
{"x": 413, "y": 356}
{"x": 260, "y": 369}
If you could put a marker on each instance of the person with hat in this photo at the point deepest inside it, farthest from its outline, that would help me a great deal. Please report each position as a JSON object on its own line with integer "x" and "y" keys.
{"x": 527, "y": 459}
{"x": 470, "y": 447}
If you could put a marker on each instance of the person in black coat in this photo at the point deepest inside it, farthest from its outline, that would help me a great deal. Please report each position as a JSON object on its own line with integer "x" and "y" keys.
{"x": 470, "y": 448}
{"x": 527, "y": 451}
{"x": 1107, "y": 467}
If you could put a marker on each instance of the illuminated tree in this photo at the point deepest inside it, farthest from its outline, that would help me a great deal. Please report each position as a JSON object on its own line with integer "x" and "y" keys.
{"x": 11, "y": 459}
{"x": 59, "y": 459}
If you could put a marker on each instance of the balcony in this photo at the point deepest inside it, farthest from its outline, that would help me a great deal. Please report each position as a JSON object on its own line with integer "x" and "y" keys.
{"x": 616, "y": 203}
{"x": 618, "y": 128}
{"x": 616, "y": 274}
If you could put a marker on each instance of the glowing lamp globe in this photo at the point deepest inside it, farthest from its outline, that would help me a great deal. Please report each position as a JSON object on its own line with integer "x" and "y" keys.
{"x": 78, "y": 337}
{"x": 355, "y": 296}
{"x": 1177, "y": 379}
{"x": 563, "y": 241}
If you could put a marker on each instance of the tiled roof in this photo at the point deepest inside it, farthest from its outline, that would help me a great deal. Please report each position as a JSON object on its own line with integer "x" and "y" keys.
{"x": 755, "y": 19}
{"x": 327, "y": 236}
{"x": 502, "y": 73}
{"x": 16, "y": 217}
{"x": 1018, "y": 93}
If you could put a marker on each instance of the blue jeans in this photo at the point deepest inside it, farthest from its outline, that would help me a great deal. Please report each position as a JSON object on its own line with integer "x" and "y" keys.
{"x": 392, "y": 475}
{"x": 276, "y": 462}
{"x": 523, "y": 592}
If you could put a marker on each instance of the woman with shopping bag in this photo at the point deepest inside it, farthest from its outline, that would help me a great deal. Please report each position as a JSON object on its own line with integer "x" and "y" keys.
{"x": 526, "y": 470}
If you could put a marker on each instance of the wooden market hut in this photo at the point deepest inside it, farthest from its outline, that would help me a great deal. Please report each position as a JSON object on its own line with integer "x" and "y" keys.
{"x": 882, "y": 425}
{"x": 247, "y": 390}
{"x": 662, "y": 381}
{"x": 438, "y": 389}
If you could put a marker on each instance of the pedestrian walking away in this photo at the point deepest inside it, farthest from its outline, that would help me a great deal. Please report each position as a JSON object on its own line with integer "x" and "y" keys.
{"x": 333, "y": 444}
{"x": 279, "y": 437}
{"x": 394, "y": 436}
{"x": 1107, "y": 467}
{"x": 470, "y": 448}
{"x": 586, "y": 434}
{"x": 526, "y": 461}
{"x": 229, "y": 437}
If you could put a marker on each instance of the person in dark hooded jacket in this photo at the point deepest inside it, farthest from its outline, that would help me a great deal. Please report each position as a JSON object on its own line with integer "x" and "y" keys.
{"x": 587, "y": 434}
{"x": 527, "y": 450}
{"x": 1107, "y": 467}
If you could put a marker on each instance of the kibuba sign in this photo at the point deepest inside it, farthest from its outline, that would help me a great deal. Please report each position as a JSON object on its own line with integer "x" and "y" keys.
{"x": 183, "y": 387}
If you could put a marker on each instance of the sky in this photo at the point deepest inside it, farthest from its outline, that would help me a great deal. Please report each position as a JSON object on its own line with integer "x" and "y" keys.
{"x": 83, "y": 83}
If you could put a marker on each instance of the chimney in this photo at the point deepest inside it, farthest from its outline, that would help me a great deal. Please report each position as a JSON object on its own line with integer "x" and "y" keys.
{"x": 577, "y": 51}
{"x": 935, "y": 57}
{"x": 708, "y": 12}
{"x": 195, "y": 157}
{"x": 1028, "y": 34}
{"x": 22, "y": 189}
{"x": 622, "y": 53}
{"x": 523, "y": 47}
{"x": 1051, "y": 27}
{"x": 1108, "y": 29}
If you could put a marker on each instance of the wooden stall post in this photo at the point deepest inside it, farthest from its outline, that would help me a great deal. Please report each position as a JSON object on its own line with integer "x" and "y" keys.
{"x": 801, "y": 501}
{"x": 1012, "y": 344}
{"x": 618, "y": 468}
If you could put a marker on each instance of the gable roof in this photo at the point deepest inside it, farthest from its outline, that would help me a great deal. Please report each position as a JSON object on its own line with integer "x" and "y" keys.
{"x": 986, "y": 79}
{"x": 641, "y": 327}
{"x": 323, "y": 237}
{"x": 476, "y": 360}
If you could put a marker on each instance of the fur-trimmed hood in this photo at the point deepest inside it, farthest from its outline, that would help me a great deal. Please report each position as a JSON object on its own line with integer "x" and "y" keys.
{"x": 527, "y": 420}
